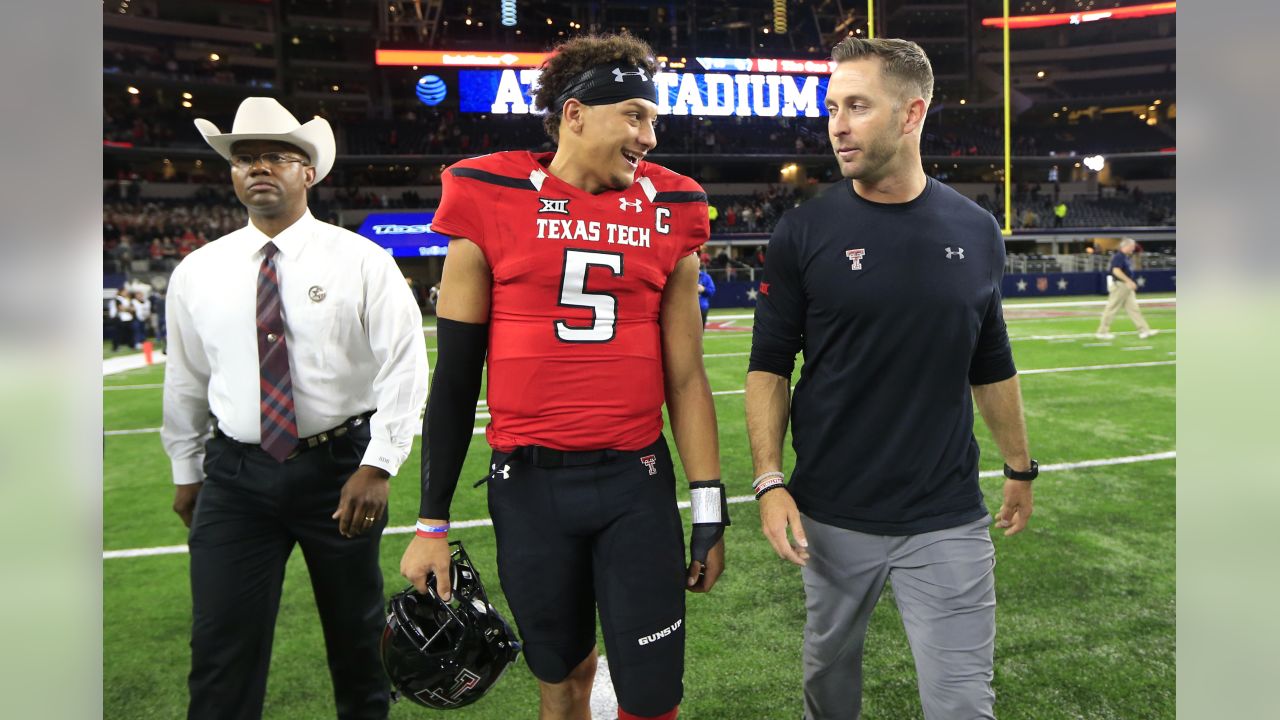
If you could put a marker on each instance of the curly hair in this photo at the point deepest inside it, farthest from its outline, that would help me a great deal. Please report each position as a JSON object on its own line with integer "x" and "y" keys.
{"x": 573, "y": 57}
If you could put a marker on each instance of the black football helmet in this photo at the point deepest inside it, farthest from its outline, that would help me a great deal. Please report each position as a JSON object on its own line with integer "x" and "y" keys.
{"x": 445, "y": 655}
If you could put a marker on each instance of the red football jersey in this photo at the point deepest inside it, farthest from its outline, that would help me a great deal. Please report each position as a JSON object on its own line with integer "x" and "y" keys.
{"x": 575, "y": 349}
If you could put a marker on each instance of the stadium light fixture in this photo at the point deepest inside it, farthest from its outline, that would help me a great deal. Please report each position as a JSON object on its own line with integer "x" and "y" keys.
{"x": 186, "y": 103}
{"x": 186, "y": 96}
{"x": 963, "y": 101}
{"x": 1095, "y": 162}
{"x": 509, "y": 13}
{"x": 132, "y": 90}
{"x": 215, "y": 57}
{"x": 1040, "y": 74}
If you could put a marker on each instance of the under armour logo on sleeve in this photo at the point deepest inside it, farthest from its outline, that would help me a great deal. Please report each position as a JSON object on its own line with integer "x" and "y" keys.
{"x": 957, "y": 253}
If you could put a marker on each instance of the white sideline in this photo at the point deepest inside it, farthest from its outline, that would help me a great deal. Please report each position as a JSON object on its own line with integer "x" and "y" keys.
{"x": 684, "y": 505}
{"x": 483, "y": 415}
{"x": 1006, "y": 306}
{"x": 1050, "y": 338}
{"x": 123, "y": 363}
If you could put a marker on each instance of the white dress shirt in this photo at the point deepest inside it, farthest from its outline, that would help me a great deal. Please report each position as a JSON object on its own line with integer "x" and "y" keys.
{"x": 353, "y": 328}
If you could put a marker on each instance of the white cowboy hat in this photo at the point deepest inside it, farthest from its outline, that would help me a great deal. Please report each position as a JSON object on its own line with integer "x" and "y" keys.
{"x": 262, "y": 118}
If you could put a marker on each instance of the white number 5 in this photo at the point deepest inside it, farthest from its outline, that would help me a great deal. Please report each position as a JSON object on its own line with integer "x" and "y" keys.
{"x": 573, "y": 293}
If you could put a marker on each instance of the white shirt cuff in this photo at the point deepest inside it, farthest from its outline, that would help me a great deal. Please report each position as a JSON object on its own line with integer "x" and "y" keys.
{"x": 189, "y": 470}
{"x": 382, "y": 454}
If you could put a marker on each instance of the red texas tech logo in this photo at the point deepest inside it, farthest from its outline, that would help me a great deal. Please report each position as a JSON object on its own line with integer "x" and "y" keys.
{"x": 465, "y": 681}
{"x": 856, "y": 256}
{"x": 651, "y": 462}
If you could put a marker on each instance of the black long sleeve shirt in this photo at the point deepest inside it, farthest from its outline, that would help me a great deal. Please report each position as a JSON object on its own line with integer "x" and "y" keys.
{"x": 897, "y": 310}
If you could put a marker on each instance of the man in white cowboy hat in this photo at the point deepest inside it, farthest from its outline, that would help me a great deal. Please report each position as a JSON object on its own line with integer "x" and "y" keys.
{"x": 296, "y": 376}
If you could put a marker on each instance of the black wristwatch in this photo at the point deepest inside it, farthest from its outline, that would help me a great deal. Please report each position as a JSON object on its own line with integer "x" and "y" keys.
{"x": 1026, "y": 475}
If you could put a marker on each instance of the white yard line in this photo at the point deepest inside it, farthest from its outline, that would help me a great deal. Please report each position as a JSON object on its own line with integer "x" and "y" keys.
{"x": 1136, "y": 347}
{"x": 486, "y": 522}
{"x": 604, "y": 703}
{"x": 1080, "y": 336}
{"x": 484, "y": 414}
{"x": 132, "y": 431}
{"x": 1081, "y": 368}
{"x": 153, "y": 386}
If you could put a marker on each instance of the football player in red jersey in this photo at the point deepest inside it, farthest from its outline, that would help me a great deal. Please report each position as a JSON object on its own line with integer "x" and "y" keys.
{"x": 575, "y": 271}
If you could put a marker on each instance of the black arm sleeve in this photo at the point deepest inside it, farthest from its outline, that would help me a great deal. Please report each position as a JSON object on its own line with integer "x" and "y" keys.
{"x": 992, "y": 359}
{"x": 451, "y": 411}
{"x": 778, "y": 332}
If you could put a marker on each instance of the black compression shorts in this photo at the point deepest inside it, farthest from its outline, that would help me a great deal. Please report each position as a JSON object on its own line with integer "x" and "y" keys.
{"x": 573, "y": 537}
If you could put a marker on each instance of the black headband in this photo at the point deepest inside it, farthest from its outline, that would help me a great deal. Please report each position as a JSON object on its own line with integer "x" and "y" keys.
{"x": 608, "y": 84}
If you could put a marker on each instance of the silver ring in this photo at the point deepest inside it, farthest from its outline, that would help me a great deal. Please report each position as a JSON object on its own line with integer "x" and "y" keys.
{"x": 370, "y": 518}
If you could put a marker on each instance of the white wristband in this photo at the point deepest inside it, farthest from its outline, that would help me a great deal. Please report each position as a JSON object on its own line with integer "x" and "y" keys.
{"x": 705, "y": 504}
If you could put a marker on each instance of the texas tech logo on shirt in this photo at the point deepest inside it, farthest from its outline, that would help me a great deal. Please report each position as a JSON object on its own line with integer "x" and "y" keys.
{"x": 856, "y": 256}
{"x": 552, "y": 205}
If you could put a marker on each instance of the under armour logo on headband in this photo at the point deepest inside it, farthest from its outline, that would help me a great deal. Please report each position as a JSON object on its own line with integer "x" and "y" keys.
{"x": 608, "y": 84}
{"x": 618, "y": 74}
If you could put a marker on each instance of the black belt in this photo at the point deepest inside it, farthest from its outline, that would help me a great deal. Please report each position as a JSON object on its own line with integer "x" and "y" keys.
{"x": 307, "y": 443}
{"x": 545, "y": 457}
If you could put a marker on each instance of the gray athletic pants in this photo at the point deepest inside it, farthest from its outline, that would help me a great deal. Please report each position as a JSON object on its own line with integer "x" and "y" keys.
{"x": 944, "y": 583}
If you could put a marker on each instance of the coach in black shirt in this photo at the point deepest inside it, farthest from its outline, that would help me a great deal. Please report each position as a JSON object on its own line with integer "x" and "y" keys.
{"x": 889, "y": 283}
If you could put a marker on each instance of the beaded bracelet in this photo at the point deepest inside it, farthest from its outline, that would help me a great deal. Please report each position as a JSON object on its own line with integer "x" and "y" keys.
{"x": 767, "y": 485}
{"x": 772, "y": 474}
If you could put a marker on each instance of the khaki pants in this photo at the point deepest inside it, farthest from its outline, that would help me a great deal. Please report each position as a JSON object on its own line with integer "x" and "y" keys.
{"x": 1122, "y": 296}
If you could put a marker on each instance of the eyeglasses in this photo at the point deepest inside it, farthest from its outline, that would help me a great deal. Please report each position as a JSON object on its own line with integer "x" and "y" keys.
{"x": 244, "y": 161}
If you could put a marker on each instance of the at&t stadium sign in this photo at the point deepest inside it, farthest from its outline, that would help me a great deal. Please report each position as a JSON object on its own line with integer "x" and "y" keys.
{"x": 746, "y": 94}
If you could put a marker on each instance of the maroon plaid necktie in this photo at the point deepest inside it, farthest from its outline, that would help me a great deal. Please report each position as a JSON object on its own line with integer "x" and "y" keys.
{"x": 279, "y": 426}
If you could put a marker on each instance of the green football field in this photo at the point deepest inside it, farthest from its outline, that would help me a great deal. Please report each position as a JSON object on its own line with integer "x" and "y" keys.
{"x": 1086, "y": 612}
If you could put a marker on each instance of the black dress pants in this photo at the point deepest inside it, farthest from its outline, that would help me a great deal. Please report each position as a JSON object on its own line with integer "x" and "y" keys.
{"x": 249, "y": 514}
